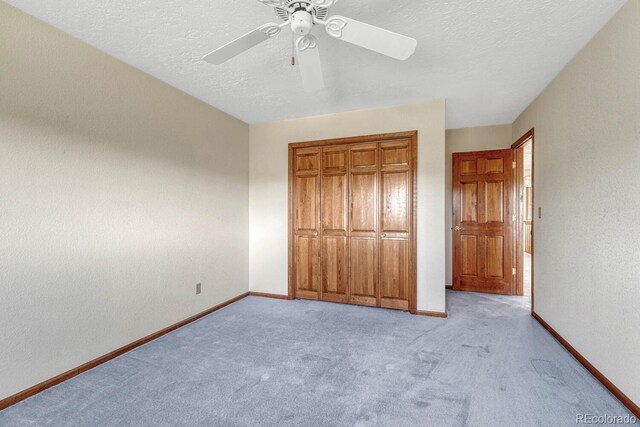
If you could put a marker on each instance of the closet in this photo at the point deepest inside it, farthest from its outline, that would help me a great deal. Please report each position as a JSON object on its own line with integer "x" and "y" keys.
{"x": 352, "y": 205}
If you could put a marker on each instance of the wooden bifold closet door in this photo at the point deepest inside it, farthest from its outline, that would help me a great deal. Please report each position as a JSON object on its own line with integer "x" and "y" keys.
{"x": 352, "y": 220}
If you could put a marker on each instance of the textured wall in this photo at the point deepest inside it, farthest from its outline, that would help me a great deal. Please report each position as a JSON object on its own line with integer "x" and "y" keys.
{"x": 118, "y": 194}
{"x": 587, "y": 155}
{"x": 458, "y": 141}
{"x": 269, "y": 189}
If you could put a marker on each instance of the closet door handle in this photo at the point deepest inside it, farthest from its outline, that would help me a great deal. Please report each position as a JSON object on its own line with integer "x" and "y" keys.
{"x": 384, "y": 235}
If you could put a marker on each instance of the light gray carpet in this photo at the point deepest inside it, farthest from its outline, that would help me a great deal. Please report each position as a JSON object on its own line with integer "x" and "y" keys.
{"x": 301, "y": 363}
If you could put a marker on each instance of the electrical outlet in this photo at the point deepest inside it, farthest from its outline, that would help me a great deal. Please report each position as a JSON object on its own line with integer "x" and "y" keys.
{"x": 198, "y": 288}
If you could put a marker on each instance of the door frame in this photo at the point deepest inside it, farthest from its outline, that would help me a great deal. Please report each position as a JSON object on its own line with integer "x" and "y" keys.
{"x": 519, "y": 243}
{"x": 412, "y": 136}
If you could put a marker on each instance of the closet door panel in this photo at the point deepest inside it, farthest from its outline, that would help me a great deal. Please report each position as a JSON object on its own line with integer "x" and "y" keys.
{"x": 363, "y": 195}
{"x": 394, "y": 273}
{"x": 364, "y": 271}
{"x": 308, "y": 265}
{"x": 364, "y": 202}
{"x": 395, "y": 224}
{"x": 334, "y": 203}
{"x": 363, "y": 222}
{"x": 307, "y": 223}
{"x": 395, "y": 202}
{"x": 335, "y": 243}
{"x": 307, "y": 189}
{"x": 335, "y": 278}
{"x": 364, "y": 156}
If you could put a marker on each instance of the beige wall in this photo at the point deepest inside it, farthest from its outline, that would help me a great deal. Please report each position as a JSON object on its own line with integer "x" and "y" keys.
{"x": 462, "y": 140}
{"x": 118, "y": 194}
{"x": 587, "y": 155}
{"x": 269, "y": 182}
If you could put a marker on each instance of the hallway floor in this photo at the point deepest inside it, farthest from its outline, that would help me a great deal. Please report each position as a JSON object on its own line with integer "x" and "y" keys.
{"x": 292, "y": 363}
{"x": 526, "y": 282}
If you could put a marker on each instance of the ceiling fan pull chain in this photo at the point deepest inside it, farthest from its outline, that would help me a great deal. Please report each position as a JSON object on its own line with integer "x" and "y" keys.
{"x": 293, "y": 44}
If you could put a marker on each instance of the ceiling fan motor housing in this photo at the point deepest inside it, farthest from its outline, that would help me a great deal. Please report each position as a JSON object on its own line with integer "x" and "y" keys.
{"x": 301, "y": 22}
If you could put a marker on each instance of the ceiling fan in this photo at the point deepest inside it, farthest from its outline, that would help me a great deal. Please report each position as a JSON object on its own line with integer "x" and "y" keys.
{"x": 302, "y": 16}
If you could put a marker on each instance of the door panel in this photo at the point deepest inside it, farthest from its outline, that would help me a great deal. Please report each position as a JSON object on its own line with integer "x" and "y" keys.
{"x": 483, "y": 185}
{"x": 307, "y": 223}
{"x": 364, "y": 271}
{"x": 495, "y": 256}
{"x": 394, "y": 268}
{"x": 335, "y": 217}
{"x": 363, "y": 202}
{"x": 364, "y": 156}
{"x": 308, "y": 265}
{"x": 469, "y": 201}
{"x": 306, "y": 208}
{"x": 334, "y": 203}
{"x": 469, "y": 252}
{"x": 334, "y": 269}
{"x": 468, "y": 167}
{"x": 495, "y": 165}
{"x": 363, "y": 187}
{"x": 334, "y": 159}
{"x": 308, "y": 161}
{"x": 395, "y": 203}
{"x": 363, "y": 219}
{"x": 394, "y": 154}
{"x": 395, "y": 225}
{"x": 494, "y": 201}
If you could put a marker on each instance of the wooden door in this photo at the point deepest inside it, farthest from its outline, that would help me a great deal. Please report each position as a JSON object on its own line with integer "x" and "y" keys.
{"x": 483, "y": 223}
{"x": 395, "y": 224}
{"x": 335, "y": 219}
{"x": 363, "y": 223}
{"x": 307, "y": 223}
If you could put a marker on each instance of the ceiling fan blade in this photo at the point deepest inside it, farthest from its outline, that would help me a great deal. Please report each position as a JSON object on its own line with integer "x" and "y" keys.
{"x": 322, "y": 3}
{"x": 309, "y": 63}
{"x": 246, "y": 42}
{"x": 274, "y": 3}
{"x": 370, "y": 37}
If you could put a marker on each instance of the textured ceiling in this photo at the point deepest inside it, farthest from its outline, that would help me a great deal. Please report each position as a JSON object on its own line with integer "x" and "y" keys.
{"x": 488, "y": 58}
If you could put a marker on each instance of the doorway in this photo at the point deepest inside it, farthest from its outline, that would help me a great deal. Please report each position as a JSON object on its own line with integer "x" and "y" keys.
{"x": 493, "y": 220}
{"x": 523, "y": 153}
